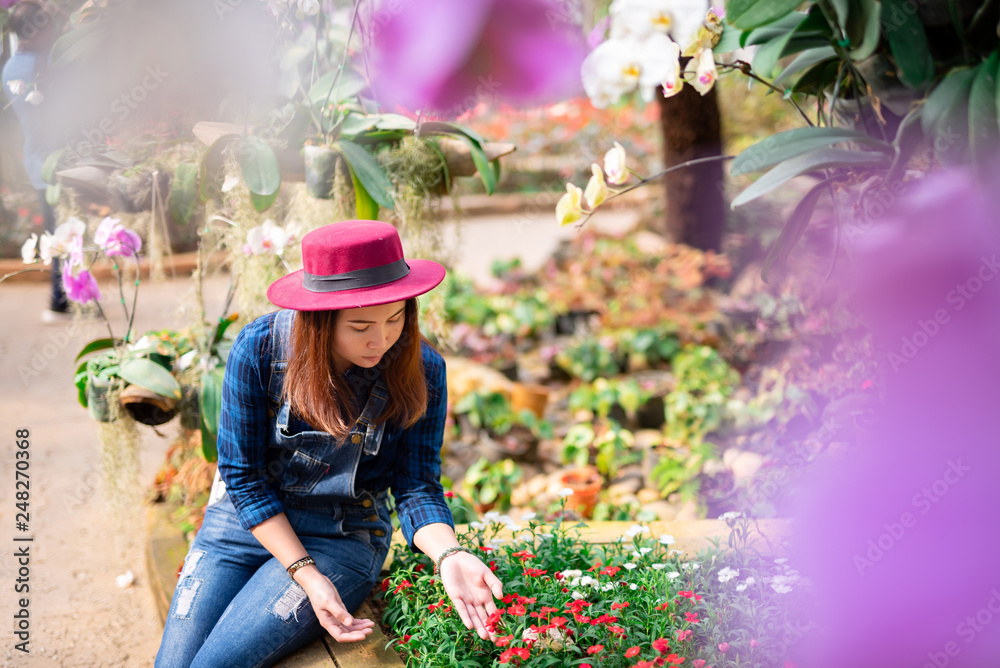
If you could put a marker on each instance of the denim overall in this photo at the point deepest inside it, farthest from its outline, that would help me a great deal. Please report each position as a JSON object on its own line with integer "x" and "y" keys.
{"x": 234, "y": 604}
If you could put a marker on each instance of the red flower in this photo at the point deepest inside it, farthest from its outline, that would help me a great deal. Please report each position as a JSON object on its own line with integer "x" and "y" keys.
{"x": 558, "y": 575}
{"x": 517, "y": 609}
{"x": 723, "y": 647}
{"x": 418, "y": 568}
{"x": 534, "y": 572}
{"x": 402, "y": 585}
{"x": 616, "y": 630}
{"x": 698, "y": 663}
{"x": 522, "y": 652}
{"x": 507, "y": 655}
{"x": 406, "y": 638}
{"x": 509, "y": 598}
{"x": 753, "y": 642}
{"x": 485, "y": 549}
{"x": 631, "y": 651}
{"x": 505, "y": 640}
{"x": 661, "y": 645}
{"x": 523, "y": 555}
{"x": 385, "y": 584}
{"x": 526, "y": 601}
{"x": 663, "y": 606}
{"x": 493, "y": 566}
{"x": 692, "y": 617}
{"x": 674, "y": 659}
{"x": 684, "y": 635}
{"x": 449, "y": 494}
{"x": 594, "y": 649}
{"x": 610, "y": 570}
{"x": 581, "y": 619}
{"x": 644, "y": 664}
{"x": 619, "y": 606}
{"x": 558, "y": 621}
{"x": 547, "y": 609}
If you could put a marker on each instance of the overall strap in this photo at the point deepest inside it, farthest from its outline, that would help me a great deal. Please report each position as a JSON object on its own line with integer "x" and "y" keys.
{"x": 281, "y": 335}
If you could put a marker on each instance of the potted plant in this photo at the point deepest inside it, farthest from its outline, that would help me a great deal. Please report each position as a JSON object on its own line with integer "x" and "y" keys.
{"x": 490, "y": 484}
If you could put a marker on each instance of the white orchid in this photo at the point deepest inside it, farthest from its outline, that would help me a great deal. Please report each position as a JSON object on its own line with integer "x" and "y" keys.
{"x": 17, "y": 87}
{"x": 66, "y": 241}
{"x": 614, "y": 165}
{"x": 702, "y": 70}
{"x": 681, "y": 19}
{"x": 267, "y": 238}
{"x": 28, "y": 253}
{"x": 618, "y": 66}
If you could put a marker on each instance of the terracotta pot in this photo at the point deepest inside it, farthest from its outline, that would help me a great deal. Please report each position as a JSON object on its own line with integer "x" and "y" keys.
{"x": 585, "y": 482}
{"x": 532, "y": 397}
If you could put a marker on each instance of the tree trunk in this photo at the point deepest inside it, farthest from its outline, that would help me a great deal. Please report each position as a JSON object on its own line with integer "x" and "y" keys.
{"x": 695, "y": 213}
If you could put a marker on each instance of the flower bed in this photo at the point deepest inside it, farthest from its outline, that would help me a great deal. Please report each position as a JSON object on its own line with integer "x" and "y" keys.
{"x": 636, "y": 601}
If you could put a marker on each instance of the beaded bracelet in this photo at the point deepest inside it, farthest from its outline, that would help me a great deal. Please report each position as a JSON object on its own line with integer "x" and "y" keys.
{"x": 448, "y": 552}
{"x": 294, "y": 566}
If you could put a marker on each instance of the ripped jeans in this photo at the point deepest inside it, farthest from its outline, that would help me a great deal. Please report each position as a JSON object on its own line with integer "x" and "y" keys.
{"x": 234, "y": 604}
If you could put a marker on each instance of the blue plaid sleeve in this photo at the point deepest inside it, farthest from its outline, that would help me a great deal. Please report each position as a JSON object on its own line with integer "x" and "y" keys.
{"x": 416, "y": 477}
{"x": 243, "y": 426}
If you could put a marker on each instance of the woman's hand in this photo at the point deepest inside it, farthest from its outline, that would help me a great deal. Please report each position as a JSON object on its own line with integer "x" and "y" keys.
{"x": 471, "y": 586}
{"x": 330, "y": 610}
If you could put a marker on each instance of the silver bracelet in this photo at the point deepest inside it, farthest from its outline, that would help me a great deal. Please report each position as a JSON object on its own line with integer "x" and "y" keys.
{"x": 448, "y": 552}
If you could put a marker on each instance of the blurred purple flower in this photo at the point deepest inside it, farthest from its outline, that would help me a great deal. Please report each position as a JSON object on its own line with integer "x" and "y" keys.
{"x": 447, "y": 56}
{"x": 115, "y": 239}
{"x": 900, "y": 537}
{"x": 7, "y": 4}
{"x": 80, "y": 288}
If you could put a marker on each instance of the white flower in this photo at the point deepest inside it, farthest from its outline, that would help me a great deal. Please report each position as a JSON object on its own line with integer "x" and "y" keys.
{"x": 529, "y": 634}
{"x": 659, "y": 567}
{"x": 28, "y": 249}
{"x": 781, "y": 561}
{"x": 678, "y": 552}
{"x": 596, "y": 191}
{"x": 689, "y": 567}
{"x": 701, "y": 69}
{"x": 491, "y": 516}
{"x": 727, "y": 574}
{"x": 781, "y": 588}
{"x": 35, "y": 97}
{"x": 572, "y": 573}
{"x": 614, "y": 165}
{"x": 527, "y": 517}
{"x": 639, "y": 18}
{"x": 642, "y": 551}
{"x": 566, "y": 491}
{"x": 731, "y": 515}
{"x": 578, "y": 594}
{"x": 17, "y": 87}
{"x": 267, "y": 238}
{"x": 309, "y": 7}
{"x": 741, "y": 586}
{"x": 61, "y": 243}
{"x": 673, "y": 575}
{"x": 635, "y": 530}
{"x": 633, "y": 587}
{"x": 671, "y": 82}
{"x": 587, "y": 580}
{"x": 477, "y": 525}
{"x": 750, "y": 580}
{"x": 630, "y": 566}
{"x": 545, "y": 535}
{"x": 608, "y": 587}
{"x": 667, "y": 539}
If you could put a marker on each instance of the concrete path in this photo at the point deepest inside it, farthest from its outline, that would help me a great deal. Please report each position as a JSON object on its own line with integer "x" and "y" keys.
{"x": 78, "y": 616}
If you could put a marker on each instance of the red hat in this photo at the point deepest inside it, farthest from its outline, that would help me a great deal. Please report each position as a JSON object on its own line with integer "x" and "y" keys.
{"x": 351, "y": 264}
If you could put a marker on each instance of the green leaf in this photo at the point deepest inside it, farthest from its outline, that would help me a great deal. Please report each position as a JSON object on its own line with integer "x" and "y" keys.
{"x": 184, "y": 192}
{"x": 746, "y": 14}
{"x": 365, "y": 207}
{"x": 482, "y": 164}
{"x": 907, "y": 43}
{"x": 864, "y": 28}
{"x": 774, "y": 30}
{"x": 368, "y": 171}
{"x": 51, "y": 164}
{"x": 817, "y": 78}
{"x": 210, "y": 168}
{"x": 53, "y": 193}
{"x": 259, "y": 166}
{"x": 355, "y": 123}
{"x": 80, "y": 380}
{"x": 807, "y": 162}
{"x": 730, "y": 40}
{"x": 395, "y": 122}
{"x": 224, "y": 324}
{"x": 350, "y": 84}
{"x": 150, "y": 375}
{"x": 984, "y": 134}
{"x": 76, "y": 43}
{"x": 842, "y": 10}
{"x": 784, "y": 145}
{"x": 94, "y": 346}
{"x": 262, "y": 203}
{"x": 442, "y": 127}
{"x": 806, "y": 59}
{"x": 209, "y": 408}
{"x": 945, "y": 118}
{"x": 793, "y": 230}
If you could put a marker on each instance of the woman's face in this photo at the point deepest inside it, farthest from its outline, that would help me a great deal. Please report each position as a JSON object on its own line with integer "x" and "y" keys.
{"x": 363, "y": 335}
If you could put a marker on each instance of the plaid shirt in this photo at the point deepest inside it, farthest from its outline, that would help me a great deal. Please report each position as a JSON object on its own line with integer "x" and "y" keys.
{"x": 408, "y": 461}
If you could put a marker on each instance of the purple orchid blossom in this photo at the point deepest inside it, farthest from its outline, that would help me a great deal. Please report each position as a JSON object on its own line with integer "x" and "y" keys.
{"x": 115, "y": 240}
{"x": 447, "y": 56}
{"x": 81, "y": 288}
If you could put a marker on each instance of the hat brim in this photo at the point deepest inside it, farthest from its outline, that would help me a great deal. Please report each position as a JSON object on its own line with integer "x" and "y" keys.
{"x": 288, "y": 292}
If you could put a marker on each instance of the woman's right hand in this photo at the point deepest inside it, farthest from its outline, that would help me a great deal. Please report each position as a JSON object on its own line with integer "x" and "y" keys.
{"x": 330, "y": 610}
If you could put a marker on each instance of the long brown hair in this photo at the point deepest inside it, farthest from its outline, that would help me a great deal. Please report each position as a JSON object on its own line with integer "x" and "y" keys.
{"x": 324, "y": 399}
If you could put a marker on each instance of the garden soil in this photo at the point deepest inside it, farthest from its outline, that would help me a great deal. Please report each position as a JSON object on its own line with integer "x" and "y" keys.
{"x": 77, "y": 614}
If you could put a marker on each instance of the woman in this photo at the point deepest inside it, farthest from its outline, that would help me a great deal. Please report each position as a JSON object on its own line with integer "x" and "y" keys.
{"x": 325, "y": 405}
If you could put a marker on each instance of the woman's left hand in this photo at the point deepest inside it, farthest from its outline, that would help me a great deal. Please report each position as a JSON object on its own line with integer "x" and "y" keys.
{"x": 471, "y": 586}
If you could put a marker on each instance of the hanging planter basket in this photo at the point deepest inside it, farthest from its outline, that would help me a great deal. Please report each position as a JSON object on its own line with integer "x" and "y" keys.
{"x": 320, "y": 170}
{"x": 146, "y": 406}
